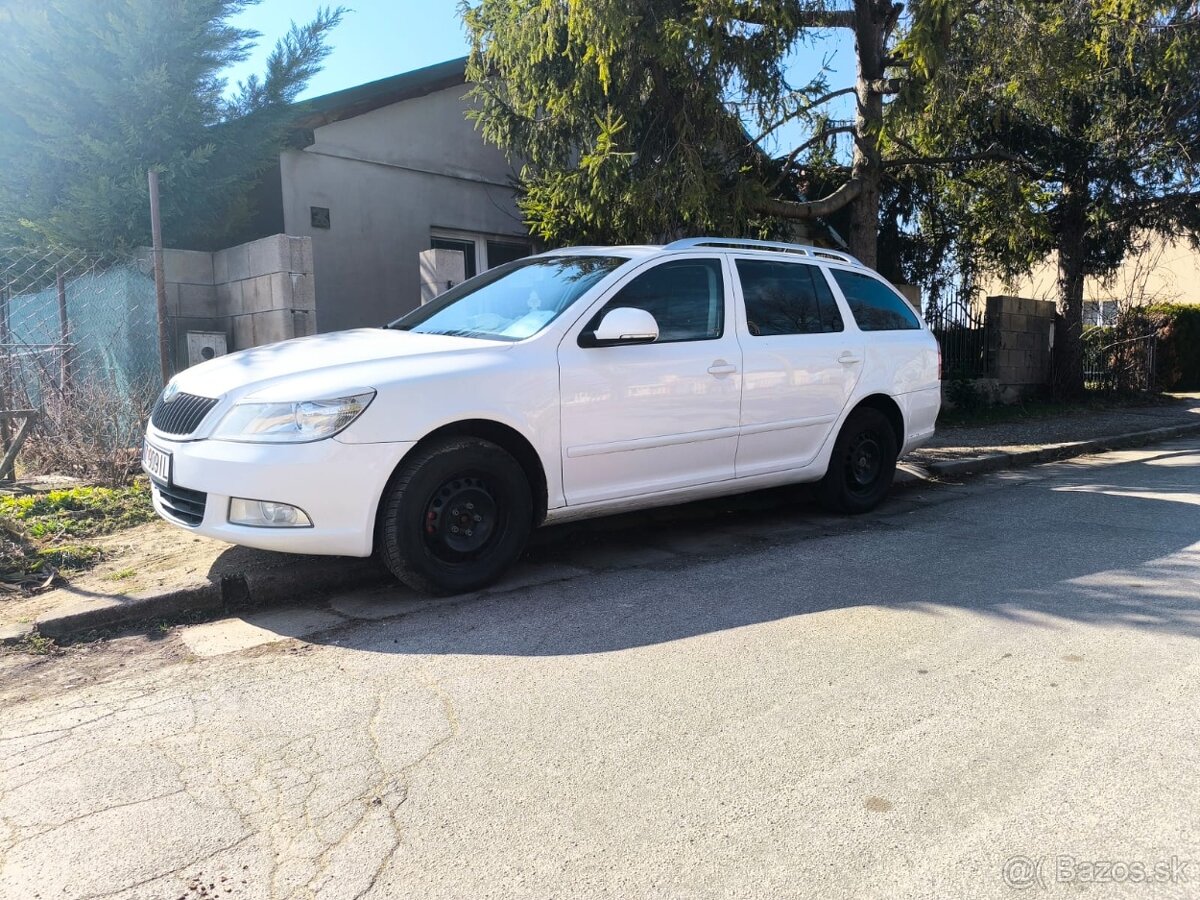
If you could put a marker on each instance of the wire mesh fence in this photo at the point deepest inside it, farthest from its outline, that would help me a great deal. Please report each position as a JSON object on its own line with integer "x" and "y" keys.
{"x": 78, "y": 345}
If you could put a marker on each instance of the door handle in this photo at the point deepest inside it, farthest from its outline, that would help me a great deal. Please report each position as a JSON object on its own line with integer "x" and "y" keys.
{"x": 720, "y": 367}
{"x": 847, "y": 358}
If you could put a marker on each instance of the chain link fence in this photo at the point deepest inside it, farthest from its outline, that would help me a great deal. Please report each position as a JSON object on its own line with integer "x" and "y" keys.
{"x": 78, "y": 346}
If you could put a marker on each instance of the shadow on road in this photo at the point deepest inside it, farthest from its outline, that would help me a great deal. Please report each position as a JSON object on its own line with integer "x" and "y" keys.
{"x": 1109, "y": 545}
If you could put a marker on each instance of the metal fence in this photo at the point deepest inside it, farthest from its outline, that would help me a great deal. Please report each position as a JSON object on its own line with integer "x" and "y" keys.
{"x": 78, "y": 360}
{"x": 1116, "y": 365}
{"x": 67, "y": 316}
{"x": 962, "y": 329}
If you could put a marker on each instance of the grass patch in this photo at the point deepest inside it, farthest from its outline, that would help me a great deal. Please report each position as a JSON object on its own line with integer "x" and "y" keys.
{"x": 120, "y": 574}
{"x": 79, "y": 512}
{"x": 44, "y": 534}
{"x": 39, "y": 645}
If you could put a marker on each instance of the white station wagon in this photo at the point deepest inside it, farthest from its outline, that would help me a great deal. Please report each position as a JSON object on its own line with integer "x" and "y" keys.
{"x": 575, "y": 383}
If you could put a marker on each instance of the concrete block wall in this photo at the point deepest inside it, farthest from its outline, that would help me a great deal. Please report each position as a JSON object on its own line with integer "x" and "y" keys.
{"x": 266, "y": 289}
{"x": 1021, "y": 331}
{"x": 256, "y": 293}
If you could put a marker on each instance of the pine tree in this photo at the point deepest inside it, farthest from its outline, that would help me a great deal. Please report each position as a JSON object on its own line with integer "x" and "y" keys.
{"x": 631, "y": 116}
{"x": 1064, "y": 126}
{"x": 94, "y": 93}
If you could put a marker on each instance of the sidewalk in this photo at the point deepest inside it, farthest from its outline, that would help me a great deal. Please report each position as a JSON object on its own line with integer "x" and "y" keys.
{"x": 982, "y": 448}
{"x": 158, "y": 573}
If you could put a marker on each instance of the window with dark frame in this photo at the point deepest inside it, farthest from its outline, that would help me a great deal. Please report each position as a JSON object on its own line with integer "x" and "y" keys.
{"x": 501, "y": 252}
{"x": 875, "y": 306}
{"x": 466, "y": 248}
{"x": 686, "y": 298}
{"x": 786, "y": 298}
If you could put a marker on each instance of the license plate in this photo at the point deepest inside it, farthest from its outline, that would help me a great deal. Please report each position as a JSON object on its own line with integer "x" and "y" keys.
{"x": 156, "y": 463}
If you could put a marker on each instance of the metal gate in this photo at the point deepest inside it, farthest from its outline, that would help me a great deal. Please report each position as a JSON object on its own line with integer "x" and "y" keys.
{"x": 1118, "y": 366}
{"x": 964, "y": 334}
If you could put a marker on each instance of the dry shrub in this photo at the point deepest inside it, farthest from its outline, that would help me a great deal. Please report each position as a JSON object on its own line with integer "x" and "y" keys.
{"x": 93, "y": 431}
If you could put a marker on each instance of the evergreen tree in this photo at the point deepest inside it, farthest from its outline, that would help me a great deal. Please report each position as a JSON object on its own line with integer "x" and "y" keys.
{"x": 94, "y": 93}
{"x": 1064, "y": 126}
{"x": 631, "y": 116}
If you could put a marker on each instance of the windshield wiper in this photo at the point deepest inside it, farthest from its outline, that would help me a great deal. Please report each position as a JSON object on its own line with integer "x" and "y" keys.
{"x": 455, "y": 332}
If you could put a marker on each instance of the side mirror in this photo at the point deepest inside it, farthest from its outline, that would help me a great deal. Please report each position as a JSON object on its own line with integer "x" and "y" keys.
{"x": 626, "y": 325}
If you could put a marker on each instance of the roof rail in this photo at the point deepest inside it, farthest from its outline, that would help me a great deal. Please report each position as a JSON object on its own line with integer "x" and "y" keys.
{"x": 765, "y": 247}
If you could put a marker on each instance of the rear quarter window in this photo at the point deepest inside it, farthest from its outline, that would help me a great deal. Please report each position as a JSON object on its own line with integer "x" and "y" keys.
{"x": 874, "y": 305}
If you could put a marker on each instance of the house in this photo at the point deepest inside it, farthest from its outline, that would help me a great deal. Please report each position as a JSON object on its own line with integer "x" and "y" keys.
{"x": 377, "y": 175}
{"x": 385, "y": 196}
{"x": 1163, "y": 272}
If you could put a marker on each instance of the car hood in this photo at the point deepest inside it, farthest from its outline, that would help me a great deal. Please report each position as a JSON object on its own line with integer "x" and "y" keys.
{"x": 329, "y": 364}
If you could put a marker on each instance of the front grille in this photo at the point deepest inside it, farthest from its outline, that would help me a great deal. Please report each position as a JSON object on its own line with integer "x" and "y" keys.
{"x": 182, "y": 415}
{"x": 182, "y": 504}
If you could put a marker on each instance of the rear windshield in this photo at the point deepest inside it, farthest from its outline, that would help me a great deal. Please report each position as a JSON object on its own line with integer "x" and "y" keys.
{"x": 510, "y": 302}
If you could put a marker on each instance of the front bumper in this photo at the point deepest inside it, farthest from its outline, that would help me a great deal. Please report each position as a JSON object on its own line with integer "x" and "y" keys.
{"x": 338, "y": 485}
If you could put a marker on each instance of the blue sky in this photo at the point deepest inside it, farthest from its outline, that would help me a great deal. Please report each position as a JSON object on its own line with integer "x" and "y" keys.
{"x": 385, "y": 37}
{"x": 376, "y": 39}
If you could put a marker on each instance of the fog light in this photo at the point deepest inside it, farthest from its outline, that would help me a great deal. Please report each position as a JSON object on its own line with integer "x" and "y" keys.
{"x": 267, "y": 514}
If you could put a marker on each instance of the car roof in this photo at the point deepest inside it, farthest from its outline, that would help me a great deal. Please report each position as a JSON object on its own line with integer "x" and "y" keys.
{"x": 744, "y": 245}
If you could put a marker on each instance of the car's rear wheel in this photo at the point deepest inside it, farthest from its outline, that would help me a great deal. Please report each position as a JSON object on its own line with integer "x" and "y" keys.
{"x": 455, "y": 517}
{"x": 862, "y": 465}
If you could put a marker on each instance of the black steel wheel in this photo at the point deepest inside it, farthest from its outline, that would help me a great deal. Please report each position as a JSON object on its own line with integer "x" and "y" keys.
{"x": 455, "y": 516}
{"x": 862, "y": 465}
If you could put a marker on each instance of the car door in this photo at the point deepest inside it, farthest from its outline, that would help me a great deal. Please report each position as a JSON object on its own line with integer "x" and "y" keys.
{"x": 644, "y": 418}
{"x": 800, "y": 361}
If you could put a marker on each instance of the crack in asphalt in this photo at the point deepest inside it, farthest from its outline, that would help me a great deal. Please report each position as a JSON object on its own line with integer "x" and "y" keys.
{"x": 236, "y": 755}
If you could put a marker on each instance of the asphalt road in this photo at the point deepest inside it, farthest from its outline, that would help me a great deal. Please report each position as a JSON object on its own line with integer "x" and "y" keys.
{"x": 978, "y": 691}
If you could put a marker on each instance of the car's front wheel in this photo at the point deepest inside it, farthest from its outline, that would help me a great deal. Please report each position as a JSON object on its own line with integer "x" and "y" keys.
{"x": 862, "y": 465}
{"x": 455, "y": 517}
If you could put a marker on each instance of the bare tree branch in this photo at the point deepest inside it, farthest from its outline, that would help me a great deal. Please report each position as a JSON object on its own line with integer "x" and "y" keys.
{"x": 993, "y": 154}
{"x": 825, "y": 98}
{"x": 815, "y": 139}
{"x": 811, "y": 209}
{"x": 797, "y": 113}
{"x": 751, "y": 14}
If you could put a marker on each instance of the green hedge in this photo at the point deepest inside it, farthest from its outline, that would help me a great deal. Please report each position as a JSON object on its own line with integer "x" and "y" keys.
{"x": 1177, "y": 356}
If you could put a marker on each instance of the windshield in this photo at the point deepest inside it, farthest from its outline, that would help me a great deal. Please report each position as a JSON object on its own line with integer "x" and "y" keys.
{"x": 510, "y": 302}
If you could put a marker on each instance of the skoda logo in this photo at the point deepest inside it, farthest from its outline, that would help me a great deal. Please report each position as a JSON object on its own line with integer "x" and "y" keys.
{"x": 170, "y": 392}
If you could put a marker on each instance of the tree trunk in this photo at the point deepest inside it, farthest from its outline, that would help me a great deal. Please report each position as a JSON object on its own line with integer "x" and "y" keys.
{"x": 1072, "y": 263}
{"x": 1072, "y": 243}
{"x": 871, "y": 26}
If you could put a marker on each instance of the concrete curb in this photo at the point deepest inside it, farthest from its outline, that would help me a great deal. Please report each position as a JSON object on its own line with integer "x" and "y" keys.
{"x": 994, "y": 462}
{"x": 231, "y": 593}
{"x": 309, "y": 575}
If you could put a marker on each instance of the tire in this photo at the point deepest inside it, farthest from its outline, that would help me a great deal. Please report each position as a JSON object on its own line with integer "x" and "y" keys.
{"x": 862, "y": 465}
{"x": 455, "y": 516}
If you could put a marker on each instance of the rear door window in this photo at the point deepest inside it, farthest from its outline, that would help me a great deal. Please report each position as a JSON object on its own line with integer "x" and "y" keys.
{"x": 786, "y": 298}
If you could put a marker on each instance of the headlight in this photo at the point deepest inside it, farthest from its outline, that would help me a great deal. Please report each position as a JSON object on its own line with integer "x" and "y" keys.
{"x": 290, "y": 423}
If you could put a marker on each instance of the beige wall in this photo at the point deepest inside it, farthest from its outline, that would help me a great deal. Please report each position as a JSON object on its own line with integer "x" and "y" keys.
{"x": 388, "y": 177}
{"x": 1165, "y": 272}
